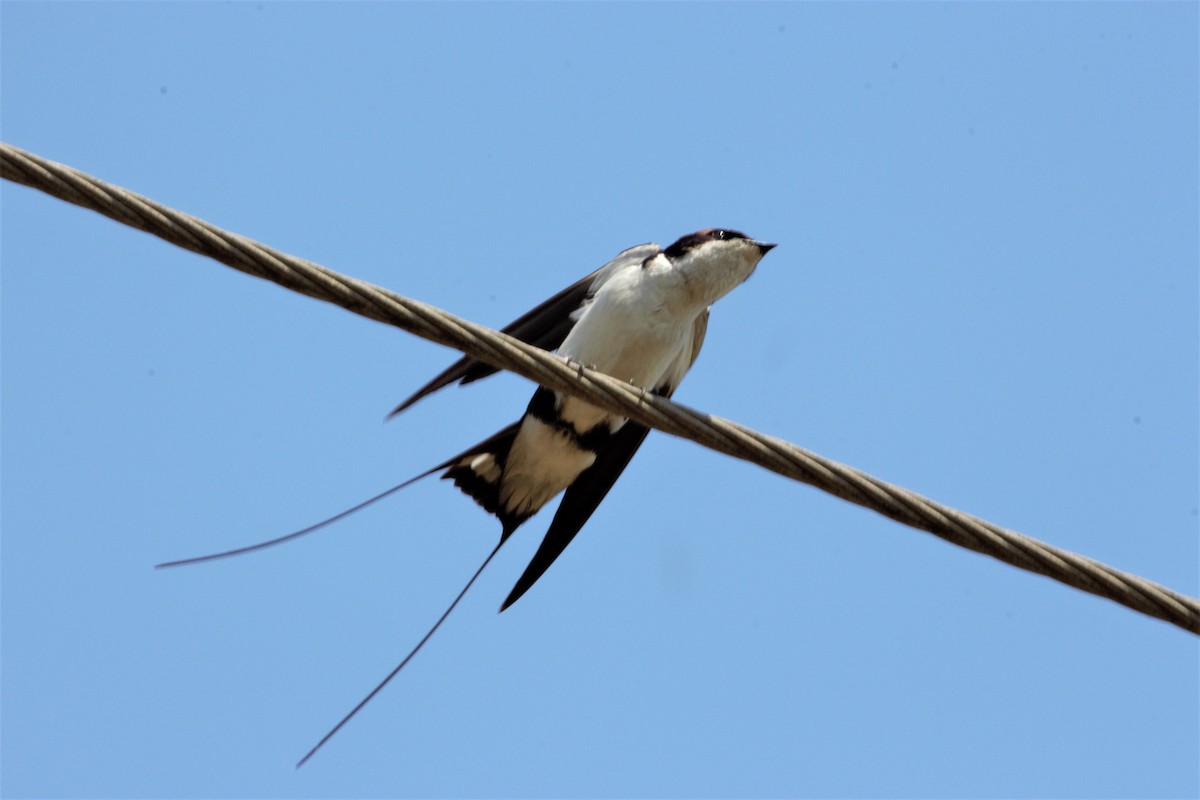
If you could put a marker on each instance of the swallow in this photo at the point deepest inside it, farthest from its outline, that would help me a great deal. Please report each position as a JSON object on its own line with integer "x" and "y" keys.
{"x": 641, "y": 318}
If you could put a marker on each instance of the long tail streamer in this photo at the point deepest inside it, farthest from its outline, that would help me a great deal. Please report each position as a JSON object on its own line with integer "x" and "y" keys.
{"x": 403, "y": 663}
{"x": 297, "y": 534}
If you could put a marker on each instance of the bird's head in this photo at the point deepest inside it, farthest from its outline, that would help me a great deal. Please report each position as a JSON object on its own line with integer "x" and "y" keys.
{"x": 716, "y": 260}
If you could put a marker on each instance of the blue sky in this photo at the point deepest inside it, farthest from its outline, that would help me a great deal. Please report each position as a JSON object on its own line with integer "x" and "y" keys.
{"x": 985, "y": 290}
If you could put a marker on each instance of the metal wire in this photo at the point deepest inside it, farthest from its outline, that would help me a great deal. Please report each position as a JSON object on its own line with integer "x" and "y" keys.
{"x": 556, "y": 373}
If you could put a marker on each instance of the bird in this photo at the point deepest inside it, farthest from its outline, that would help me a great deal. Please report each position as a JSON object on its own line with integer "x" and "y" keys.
{"x": 641, "y": 318}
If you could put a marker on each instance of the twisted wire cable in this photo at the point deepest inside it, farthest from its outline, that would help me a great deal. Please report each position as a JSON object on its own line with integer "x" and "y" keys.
{"x": 556, "y": 373}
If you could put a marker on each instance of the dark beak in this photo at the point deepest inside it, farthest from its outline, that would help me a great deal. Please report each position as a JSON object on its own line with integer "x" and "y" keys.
{"x": 764, "y": 248}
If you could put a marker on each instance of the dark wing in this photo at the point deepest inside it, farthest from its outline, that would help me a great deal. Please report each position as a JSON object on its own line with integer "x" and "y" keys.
{"x": 584, "y": 495}
{"x": 545, "y": 326}
{"x": 581, "y": 499}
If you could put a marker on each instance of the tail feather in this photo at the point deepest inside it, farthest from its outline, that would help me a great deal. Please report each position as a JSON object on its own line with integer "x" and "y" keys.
{"x": 459, "y": 468}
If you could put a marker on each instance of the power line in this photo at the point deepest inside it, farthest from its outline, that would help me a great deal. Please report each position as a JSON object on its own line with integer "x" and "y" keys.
{"x": 614, "y": 396}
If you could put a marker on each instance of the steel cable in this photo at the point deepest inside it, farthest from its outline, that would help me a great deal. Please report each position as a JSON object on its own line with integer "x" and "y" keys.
{"x": 556, "y": 373}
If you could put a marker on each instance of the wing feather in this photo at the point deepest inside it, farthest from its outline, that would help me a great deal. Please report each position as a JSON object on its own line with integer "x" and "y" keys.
{"x": 544, "y": 326}
{"x": 581, "y": 499}
{"x": 584, "y": 495}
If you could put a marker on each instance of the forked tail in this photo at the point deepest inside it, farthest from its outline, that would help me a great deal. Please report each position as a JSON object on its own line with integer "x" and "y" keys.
{"x": 477, "y": 472}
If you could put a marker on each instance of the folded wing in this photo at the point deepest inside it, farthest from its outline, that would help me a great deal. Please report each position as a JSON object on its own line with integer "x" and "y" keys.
{"x": 544, "y": 326}
{"x": 584, "y": 495}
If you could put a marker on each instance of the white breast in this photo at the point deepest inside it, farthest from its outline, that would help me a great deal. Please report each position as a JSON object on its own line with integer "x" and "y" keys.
{"x": 633, "y": 330}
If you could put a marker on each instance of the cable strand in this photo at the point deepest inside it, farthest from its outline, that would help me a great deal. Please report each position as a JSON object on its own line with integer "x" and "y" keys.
{"x": 546, "y": 369}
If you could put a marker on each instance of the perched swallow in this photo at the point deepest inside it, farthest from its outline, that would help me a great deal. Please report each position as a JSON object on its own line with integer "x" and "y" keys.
{"x": 640, "y": 318}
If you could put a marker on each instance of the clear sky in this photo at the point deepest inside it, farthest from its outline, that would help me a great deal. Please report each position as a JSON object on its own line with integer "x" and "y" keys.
{"x": 985, "y": 290}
